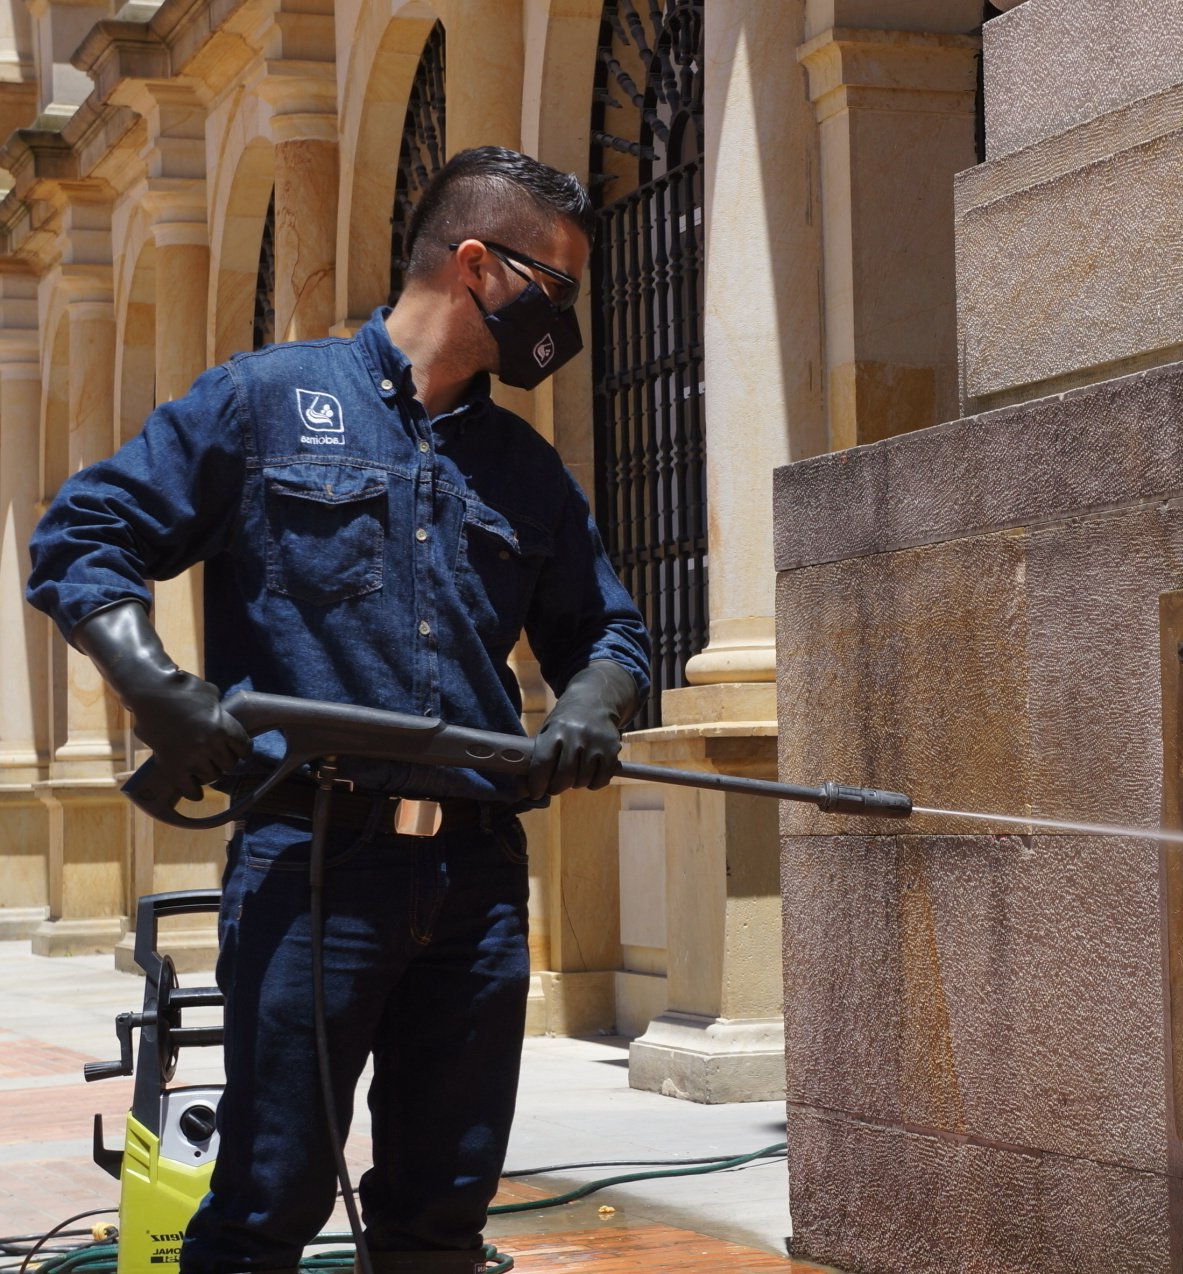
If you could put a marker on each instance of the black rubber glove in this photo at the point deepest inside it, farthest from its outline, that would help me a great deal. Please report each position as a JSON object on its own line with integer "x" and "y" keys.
{"x": 580, "y": 739}
{"x": 179, "y": 716}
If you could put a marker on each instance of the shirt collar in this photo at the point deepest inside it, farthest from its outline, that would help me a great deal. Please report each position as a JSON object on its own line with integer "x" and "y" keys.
{"x": 392, "y": 373}
{"x": 388, "y": 365}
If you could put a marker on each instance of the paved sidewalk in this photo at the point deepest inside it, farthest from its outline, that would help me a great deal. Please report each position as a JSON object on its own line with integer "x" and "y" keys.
{"x": 575, "y": 1107}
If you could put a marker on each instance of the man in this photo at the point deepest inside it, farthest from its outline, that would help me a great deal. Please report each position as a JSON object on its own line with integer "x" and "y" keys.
{"x": 375, "y": 531}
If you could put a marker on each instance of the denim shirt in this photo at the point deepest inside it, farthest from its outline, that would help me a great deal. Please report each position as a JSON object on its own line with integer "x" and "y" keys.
{"x": 355, "y": 550}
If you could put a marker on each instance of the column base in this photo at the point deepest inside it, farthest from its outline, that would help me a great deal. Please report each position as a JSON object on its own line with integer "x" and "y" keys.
{"x": 640, "y": 997}
{"x": 710, "y": 1060}
{"x": 193, "y": 949}
{"x": 20, "y": 922}
{"x": 571, "y": 1003}
{"x": 93, "y": 935}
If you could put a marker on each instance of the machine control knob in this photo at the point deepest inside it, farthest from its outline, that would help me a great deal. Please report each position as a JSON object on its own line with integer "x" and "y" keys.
{"x": 197, "y": 1123}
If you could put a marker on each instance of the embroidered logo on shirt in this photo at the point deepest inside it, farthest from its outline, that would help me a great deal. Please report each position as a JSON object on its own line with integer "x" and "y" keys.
{"x": 321, "y": 413}
{"x": 544, "y": 351}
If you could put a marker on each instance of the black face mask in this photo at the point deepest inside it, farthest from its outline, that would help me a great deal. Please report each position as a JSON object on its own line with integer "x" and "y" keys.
{"x": 534, "y": 336}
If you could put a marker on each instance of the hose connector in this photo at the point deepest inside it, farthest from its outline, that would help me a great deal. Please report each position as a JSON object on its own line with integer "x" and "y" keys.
{"x": 837, "y": 799}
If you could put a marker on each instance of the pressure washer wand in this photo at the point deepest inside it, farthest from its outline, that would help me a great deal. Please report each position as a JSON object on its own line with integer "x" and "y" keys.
{"x": 830, "y": 797}
{"x": 313, "y": 729}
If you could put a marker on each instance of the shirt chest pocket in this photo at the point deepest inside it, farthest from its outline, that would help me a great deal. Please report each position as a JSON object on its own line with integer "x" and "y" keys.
{"x": 497, "y": 569}
{"x": 326, "y": 525}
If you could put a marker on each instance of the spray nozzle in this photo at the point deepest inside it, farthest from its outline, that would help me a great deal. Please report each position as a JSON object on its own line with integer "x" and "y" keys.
{"x": 837, "y": 799}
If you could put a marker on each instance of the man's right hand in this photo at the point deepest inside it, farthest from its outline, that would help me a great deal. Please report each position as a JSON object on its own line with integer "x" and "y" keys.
{"x": 179, "y": 716}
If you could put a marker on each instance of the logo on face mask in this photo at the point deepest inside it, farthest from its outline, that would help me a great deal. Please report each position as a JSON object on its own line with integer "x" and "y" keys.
{"x": 320, "y": 411}
{"x": 534, "y": 337}
{"x": 544, "y": 351}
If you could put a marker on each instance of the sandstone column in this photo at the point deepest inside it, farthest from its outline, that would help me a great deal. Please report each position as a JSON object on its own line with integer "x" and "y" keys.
{"x": 484, "y": 72}
{"x": 720, "y": 1037}
{"x": 306, "y": 165}
{"x": 88, "y": 819}
{"x": 163, "y": 857}
{"x": 895, "y": 105}
{"x": 301, "y": 86}
{"x": 23, "y": 700}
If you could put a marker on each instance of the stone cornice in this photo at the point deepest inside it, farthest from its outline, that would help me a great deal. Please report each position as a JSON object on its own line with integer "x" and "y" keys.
{"x": 205, "y": 45}
{"x": 50, "y": 166}
{"x": 161, "y": 42}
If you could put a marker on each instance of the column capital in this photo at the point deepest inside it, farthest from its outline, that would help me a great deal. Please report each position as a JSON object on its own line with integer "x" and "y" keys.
{"x": 859, "y": 67}
{"x": 85, "y": 234}
{"x": 85, "y": 287}
{"x": 177, "y": 208}
{"x": 175, "y": 117}
{"x": 20, "y": 337}
{"x": 18, "y": 311}
{"x": 303, "y": 100}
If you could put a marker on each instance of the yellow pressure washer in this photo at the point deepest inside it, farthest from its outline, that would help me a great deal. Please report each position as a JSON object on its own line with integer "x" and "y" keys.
{"x": 171, "y": 1140}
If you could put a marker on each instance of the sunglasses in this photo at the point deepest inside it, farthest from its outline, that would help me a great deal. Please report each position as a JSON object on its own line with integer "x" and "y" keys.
{"x": 570, "y": 291}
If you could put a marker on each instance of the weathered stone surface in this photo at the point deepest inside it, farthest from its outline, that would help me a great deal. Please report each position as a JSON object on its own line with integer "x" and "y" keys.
{"x": 1056, "y": 63}
{"x": 1096, "y": 712}
{"x": 909, "y": 672}
{"x": 1006, "y": 989}
{"x": 911, "y": 15}
{"x": 985, "y": 1208}
{"x": 1071, "y": 275}
{"x": 1083, "y": 452}
{"x": 975, "y": 1023}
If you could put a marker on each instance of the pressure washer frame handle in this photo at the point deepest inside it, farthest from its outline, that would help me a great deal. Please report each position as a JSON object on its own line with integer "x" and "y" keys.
{"x": 313, "y": 730}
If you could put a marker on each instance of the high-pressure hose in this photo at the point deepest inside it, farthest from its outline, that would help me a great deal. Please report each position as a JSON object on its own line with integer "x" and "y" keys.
{"x": 326, "y": 775}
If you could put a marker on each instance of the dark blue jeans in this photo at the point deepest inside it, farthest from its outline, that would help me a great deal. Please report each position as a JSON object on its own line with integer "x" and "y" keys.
{"x": 427, "y": 968}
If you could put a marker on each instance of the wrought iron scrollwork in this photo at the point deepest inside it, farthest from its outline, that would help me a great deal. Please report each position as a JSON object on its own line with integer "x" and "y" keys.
{"x": 421, "y": 152}
{"x": 647, "y": 278}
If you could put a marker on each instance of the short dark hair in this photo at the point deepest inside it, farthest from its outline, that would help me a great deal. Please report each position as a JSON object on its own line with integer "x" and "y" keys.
{"x": 493, "y": 193}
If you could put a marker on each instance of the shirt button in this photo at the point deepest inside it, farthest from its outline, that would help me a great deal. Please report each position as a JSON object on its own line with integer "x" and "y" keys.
{"x": 424, "y": 628}
{"x": 420, "y": 535}
{"x": 387, "y": 384}
{"x": 423, "y": 445}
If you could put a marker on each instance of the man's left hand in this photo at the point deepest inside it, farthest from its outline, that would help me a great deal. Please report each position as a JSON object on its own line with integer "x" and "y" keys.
{"x": 580, "y": 739}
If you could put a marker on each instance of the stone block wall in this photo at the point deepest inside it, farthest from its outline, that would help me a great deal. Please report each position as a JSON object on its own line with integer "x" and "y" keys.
{"x": 1058, "y": 63}
{"x": 1068, "y": 237}
{"x": 976, "y": 1038}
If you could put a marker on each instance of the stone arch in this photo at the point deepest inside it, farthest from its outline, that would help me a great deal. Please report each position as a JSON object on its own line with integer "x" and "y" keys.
{"x": 236, "y": 229}
{"x": 384, "y": 58}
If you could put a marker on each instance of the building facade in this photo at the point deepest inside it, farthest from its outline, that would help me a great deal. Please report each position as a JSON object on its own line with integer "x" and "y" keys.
{"x": 773, "y": 280}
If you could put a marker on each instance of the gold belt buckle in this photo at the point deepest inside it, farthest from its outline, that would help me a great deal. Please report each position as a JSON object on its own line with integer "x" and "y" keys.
{"x": 417, "y": 818}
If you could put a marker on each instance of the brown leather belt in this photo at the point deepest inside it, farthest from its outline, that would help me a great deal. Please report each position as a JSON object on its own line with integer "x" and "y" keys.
{"x": 354, "y": 810}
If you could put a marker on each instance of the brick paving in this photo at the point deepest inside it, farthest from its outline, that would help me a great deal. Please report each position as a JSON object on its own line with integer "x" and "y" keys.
{"x": 628, "y": 1250}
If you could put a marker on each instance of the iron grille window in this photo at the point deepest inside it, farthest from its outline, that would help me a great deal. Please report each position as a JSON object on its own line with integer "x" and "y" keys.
{"x": 647, "y": 305}
{"x": 264, "y": 322}
{"x": 421, "y": 152}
